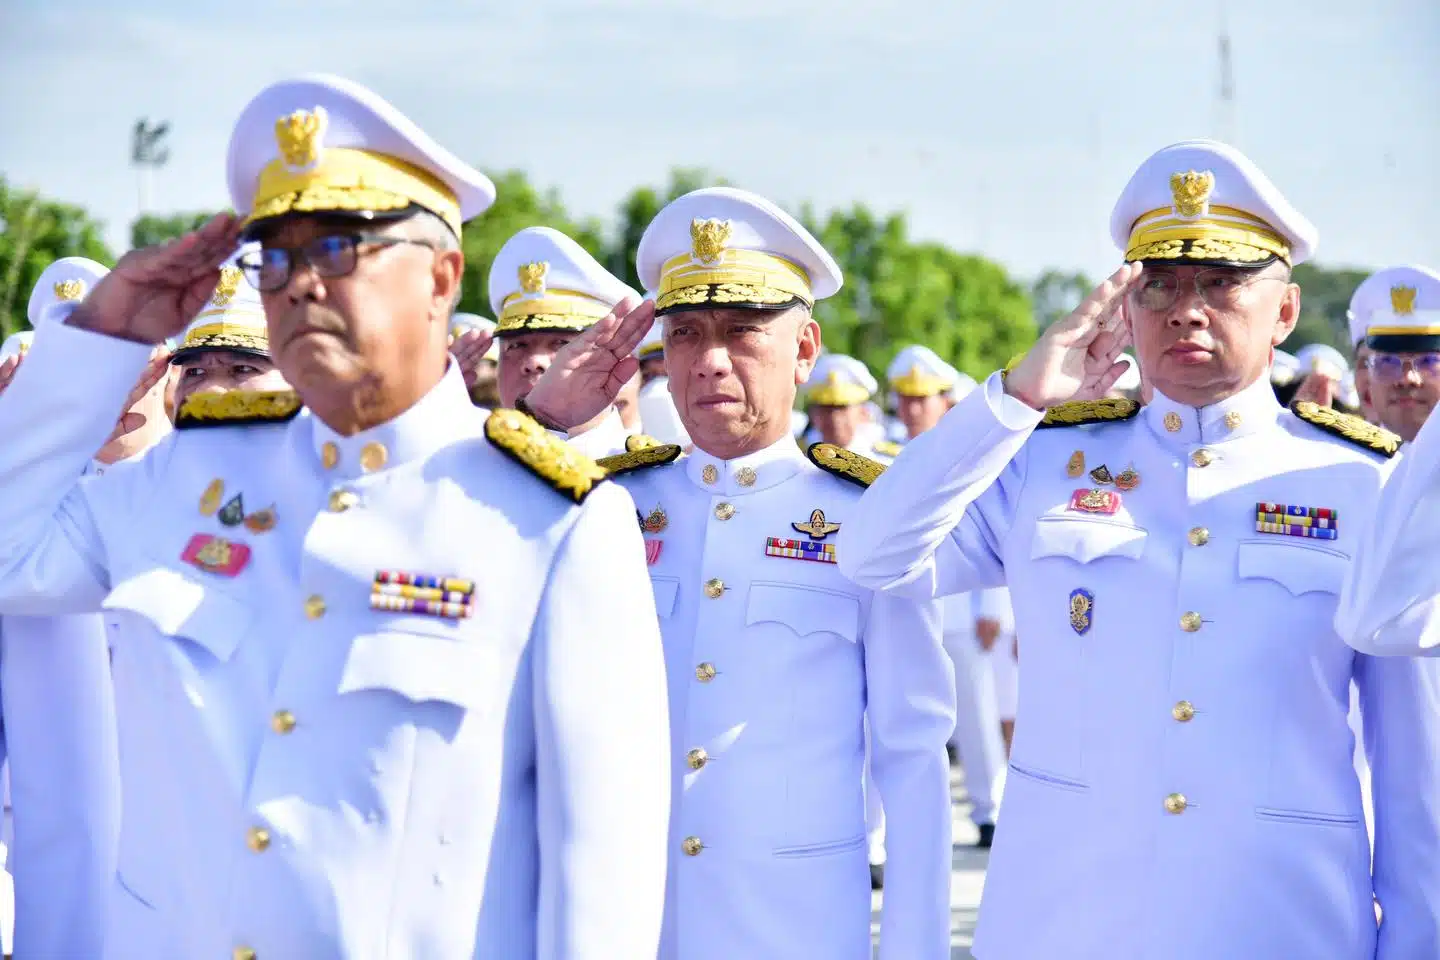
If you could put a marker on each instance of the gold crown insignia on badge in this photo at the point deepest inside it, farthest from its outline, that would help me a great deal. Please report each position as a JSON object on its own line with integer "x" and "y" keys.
{"x": 1191, "y": 191}
{"x": 1080, "y": 412}
{"x": 1402, "y": 300}
{"x": 298, "y": 136}
{"x": 640, "y": 458}
{"x": 1358, "y": 431}
{"x": 845, "y": 464}
{"x": 532, "y": 276}
{"x": 560, "y": 465}
{"x": 708, "y": 239}
{"x": 70, "y": 290}
{"x": 237, "y": 408}
{"x": 227, "y": 286}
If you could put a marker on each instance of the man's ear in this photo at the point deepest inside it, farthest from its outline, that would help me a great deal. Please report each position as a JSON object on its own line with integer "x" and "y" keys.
{"x": 809, "y": 348}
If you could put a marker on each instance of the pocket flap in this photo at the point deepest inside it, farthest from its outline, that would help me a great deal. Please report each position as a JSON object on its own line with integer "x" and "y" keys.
{"x": 666, "y": 589}
{"x": 420, "y": 667}
{"x": 1085, "y": 540}
{"x": 1299, "y": 568}
{"x": 181, "y": 607}
{"x": 804, "y": 610}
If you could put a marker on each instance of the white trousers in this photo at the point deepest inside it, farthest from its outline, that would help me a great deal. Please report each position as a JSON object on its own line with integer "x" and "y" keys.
{"x": 977, "y": 724}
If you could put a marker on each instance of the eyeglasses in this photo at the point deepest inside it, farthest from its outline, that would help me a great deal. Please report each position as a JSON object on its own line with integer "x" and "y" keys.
{"x": 1221, "y": 288}
{"x": 1390, "y": 368}
{"x": 270, "y": 268}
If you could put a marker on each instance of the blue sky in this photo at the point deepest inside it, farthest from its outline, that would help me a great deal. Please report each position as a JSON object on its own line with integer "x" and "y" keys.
{"x": 1006, "y": 129}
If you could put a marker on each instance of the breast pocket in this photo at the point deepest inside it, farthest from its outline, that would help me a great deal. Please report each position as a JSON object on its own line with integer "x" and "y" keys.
{"x": 1299, "y": 568}
{"x": 422, "y": 668}
{"x": 1086, "y": 541}
{"x": 805, "y": 610}
{"x": 179, "y": 606}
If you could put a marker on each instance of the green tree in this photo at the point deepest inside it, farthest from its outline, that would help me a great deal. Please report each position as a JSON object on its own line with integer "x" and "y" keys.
{"x": 1055, "y": 293}
{"x": 518, "y": 205}
{"x": 151, "y": 230}
{"x": 34, "y": 232}
{"x": 1325, "y": 294}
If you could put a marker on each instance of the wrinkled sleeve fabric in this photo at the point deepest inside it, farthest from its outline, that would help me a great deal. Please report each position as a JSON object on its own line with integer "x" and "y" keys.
{"x": 910, "y": 704}
{"x": 934, "y": 522}
{"x": 52, "y": 552}
{"x": 602, "y": 742}
{"x": 1400, "y": 709}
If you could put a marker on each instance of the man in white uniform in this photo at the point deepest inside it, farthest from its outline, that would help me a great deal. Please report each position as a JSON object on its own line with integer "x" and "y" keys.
{"x": 776, "y": 663}
{"x": 1181, "y": 784}
{"x": 394, "y": 705}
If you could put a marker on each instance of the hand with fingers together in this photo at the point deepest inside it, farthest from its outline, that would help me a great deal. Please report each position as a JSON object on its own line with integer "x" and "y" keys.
{"x": 1078, "y": 357}
{"x": 7, "y": 370}
{"x": 589, "y": 372}
{"x": 153, "y": 293}
{"x": 469, "y": 349}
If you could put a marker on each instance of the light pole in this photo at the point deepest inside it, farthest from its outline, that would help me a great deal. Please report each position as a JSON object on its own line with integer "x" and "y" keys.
{"x": 146, "y": 154}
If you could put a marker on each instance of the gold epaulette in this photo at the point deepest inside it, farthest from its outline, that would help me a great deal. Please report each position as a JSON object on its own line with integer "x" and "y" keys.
{"x": 844, "y": 463}
{"x": 640, "y": 441}
{"x": 236, "y": 408}
{"x": 888, "y": 448}
{"x": 639, "y": 459}
{"x": 1079, "y": 412}
{"x": 1360, "y": 432}
{"x": 542, "y": 453}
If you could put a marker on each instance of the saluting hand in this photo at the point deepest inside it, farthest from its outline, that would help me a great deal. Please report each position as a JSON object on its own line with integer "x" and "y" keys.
{"x": 1077, "y": 357}
{"x": 1318, "y": 388}
{"x": 7, "y": 371}
{"x": 153, "y": 293}
{"x": 588, "y": 373}
{"x": 155, "y": 371}
{"x": 469, "y": 349}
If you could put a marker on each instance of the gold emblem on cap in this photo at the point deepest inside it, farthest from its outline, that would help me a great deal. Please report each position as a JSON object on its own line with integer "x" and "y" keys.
{"x": 70, "y": 290}
{"x": 297, "y": 135}
{"x": 708, "y": 238}
{"x": 532, "y": 276}
{"x": 1191, "y": 191}
{"x": 1402, "y": 300}
{"x": 227, "y": 286}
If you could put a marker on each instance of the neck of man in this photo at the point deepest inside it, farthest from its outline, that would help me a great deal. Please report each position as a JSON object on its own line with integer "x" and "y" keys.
{"x": 733, "y": 448}
{"x": 370, "y": 400}
{"x": 1209, "y": 394}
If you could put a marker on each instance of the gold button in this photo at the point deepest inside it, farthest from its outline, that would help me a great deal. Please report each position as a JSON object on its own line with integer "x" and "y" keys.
{"x": 242, "y": 953}
{"x": 692, "y": 846}
{"x": 257, "y": 839}
{"x": 329, "y": 455}
{"x": 697, "y": 758}
{"x": 709, "y": 474}
{"x": 1172, "y": 422}
{"x": 1190, "y": 622}
{"x": 1201, "y": 458}
{"x": 1184, "y": 711}
{"x": 373, "y": 456}
{"x": 282, "y": 721}
{"x": 1199, "y": 536}
{"x": 342, "y": 500}
{"x": 315, "y": 606}
{"x": 1176, "y": 803}
{"x": 1233, "y": 419}
{"x": 714, "y": 588}
{"x": 724, "y": 511}
{"x": 705, "y": 672}
{"x": 745, "y": 476}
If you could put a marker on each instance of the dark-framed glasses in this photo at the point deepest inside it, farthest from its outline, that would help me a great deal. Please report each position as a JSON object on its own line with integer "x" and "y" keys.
{"x": 1221, "y": 288}
{"x": 1391, "y": 367}
{"x": 270, "y": 268}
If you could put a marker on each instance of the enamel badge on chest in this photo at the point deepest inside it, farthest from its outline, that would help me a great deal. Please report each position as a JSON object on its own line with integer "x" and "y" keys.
{"x": 817, "y": 526}
{"x": 216, "y": 555}
{"x": 1082, "y": 608}
{"x": 1095, "y": 501}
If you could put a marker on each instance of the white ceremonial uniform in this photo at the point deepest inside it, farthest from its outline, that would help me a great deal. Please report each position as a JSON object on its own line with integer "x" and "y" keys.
{"x": 776, "y": 664}
{"x": 1181, "y": 784}
{"x": 994, "y": 604}
{"x": 977, "y": 715}
{"x": 305, "y": 775}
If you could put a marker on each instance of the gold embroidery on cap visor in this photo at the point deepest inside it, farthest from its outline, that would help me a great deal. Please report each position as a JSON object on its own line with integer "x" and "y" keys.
{"x": 915, "y": 383}
{"x": 748, "y": 278}
{"x": 557, "y": 310}
{"x": 223, "y": 336}
{"x": 347, "y": 180}
{"x": 1222, "y": 235}
{"x": 834, "y": 392}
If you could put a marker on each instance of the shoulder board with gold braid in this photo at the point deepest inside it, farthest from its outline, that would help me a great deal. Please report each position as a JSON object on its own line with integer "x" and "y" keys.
{"x": 1360, "y": 432}
{"x": 639, "y": 441}
{"x": 639, "y": 459}
{"x": 237, "y": 408}
{"x": 1079, "y": 412}
{"x": 845, "y": 464}
{"x": 536, "y": 449}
